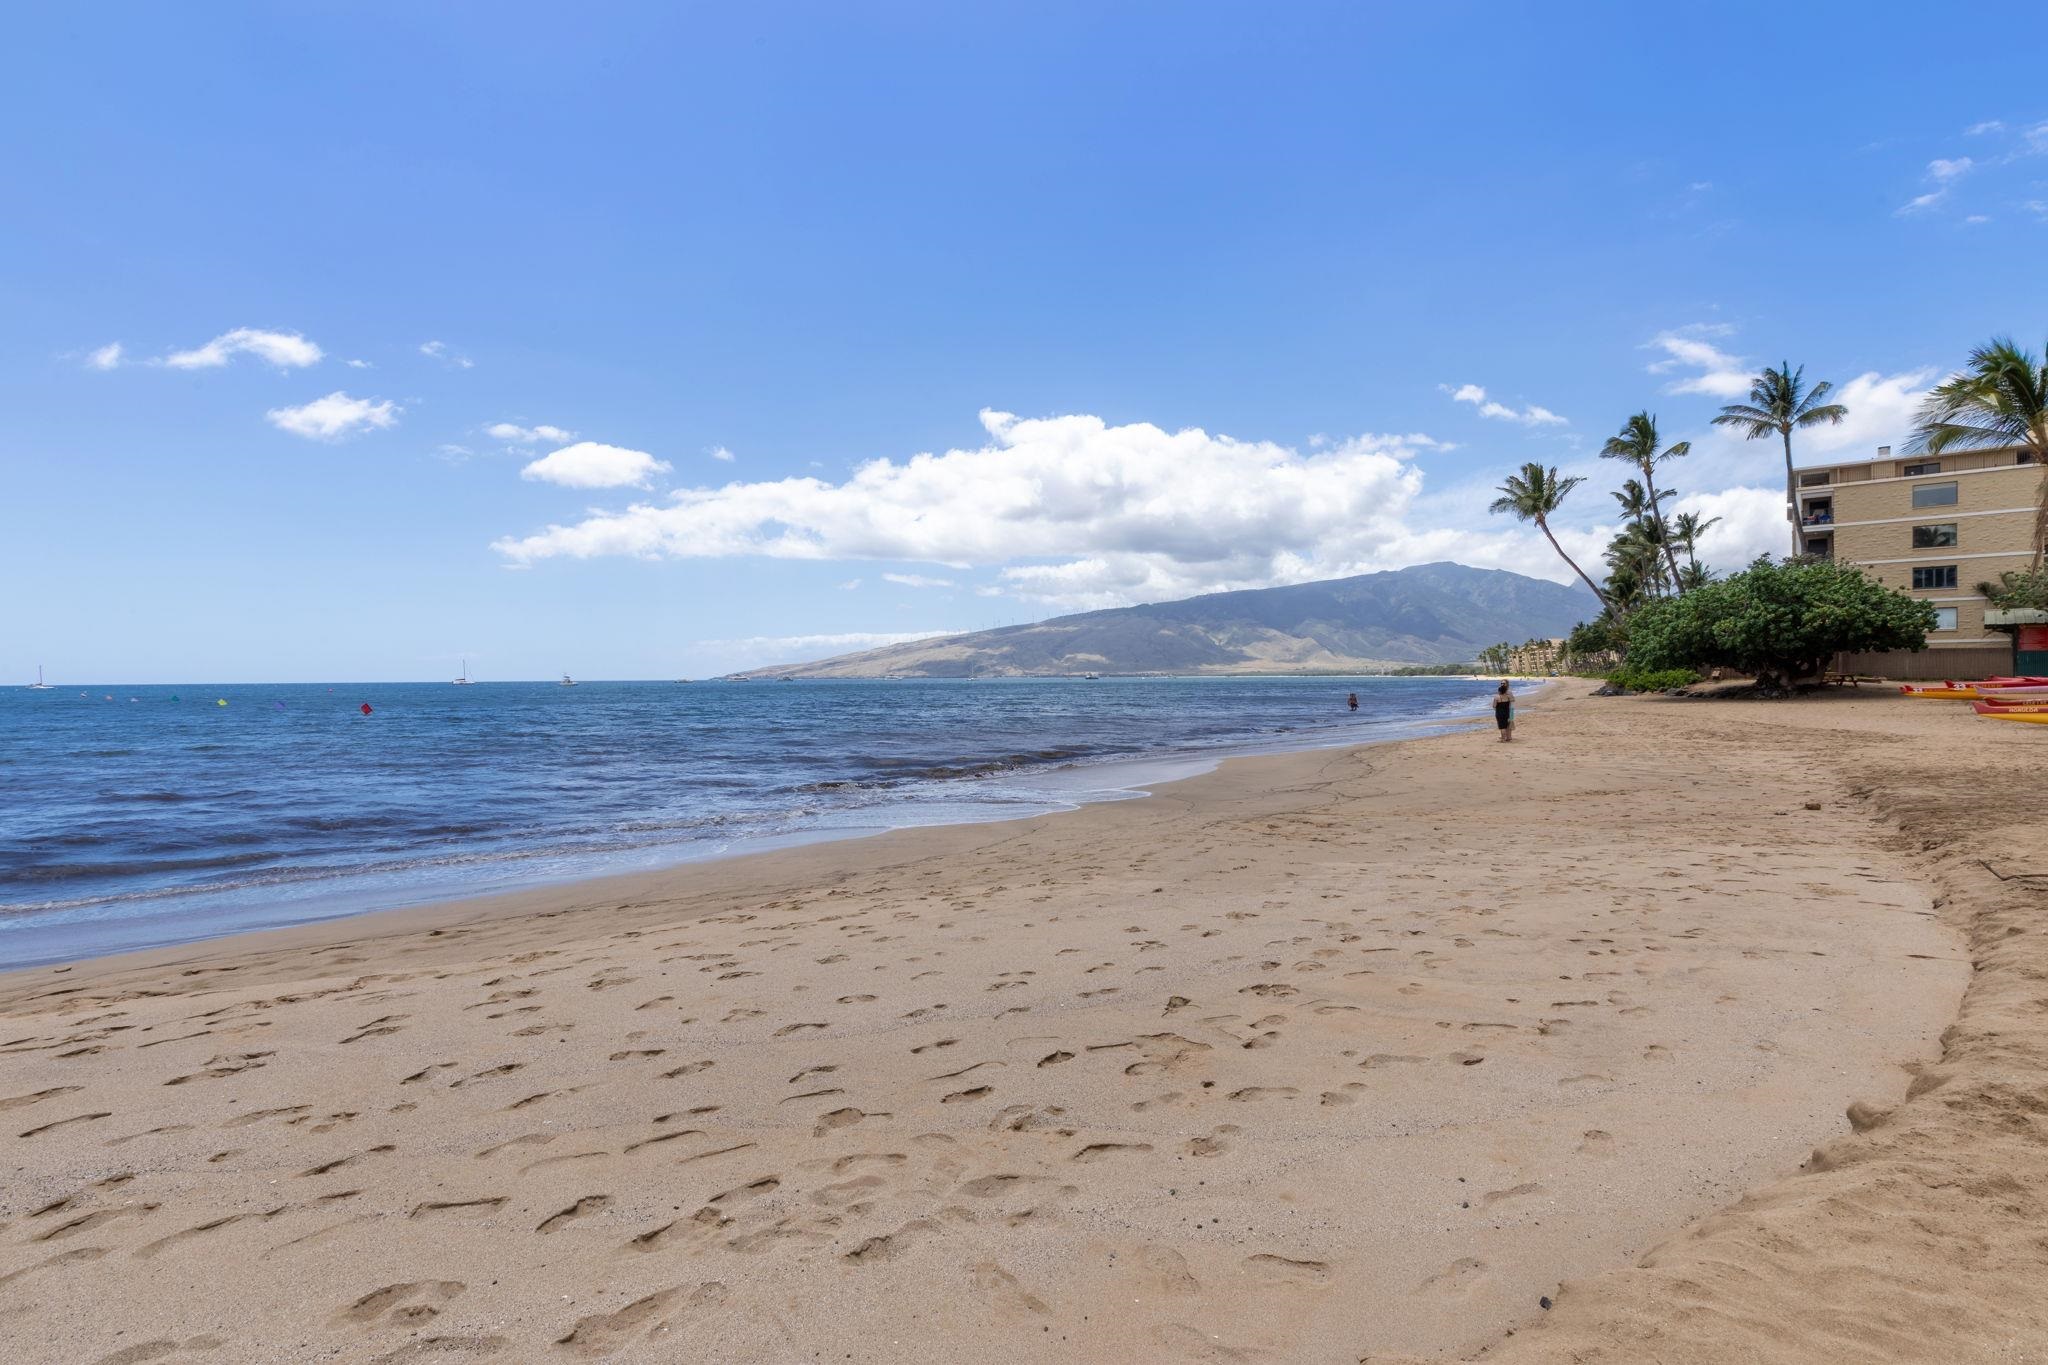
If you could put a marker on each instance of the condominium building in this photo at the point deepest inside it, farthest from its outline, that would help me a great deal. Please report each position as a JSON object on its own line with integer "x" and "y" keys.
{"x": 1536, "y": 658}
{"x": 1934, "y": 526}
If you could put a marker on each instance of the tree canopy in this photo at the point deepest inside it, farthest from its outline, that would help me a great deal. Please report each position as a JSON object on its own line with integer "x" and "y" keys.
{"x": 1778, "y": 622}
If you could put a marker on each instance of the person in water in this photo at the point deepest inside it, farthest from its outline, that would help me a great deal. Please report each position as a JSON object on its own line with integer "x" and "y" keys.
{"x": 1354, "y": 701}
{"x": 1504, "y": 712}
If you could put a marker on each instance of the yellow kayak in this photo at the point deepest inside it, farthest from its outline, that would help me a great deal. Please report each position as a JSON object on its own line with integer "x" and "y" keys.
{"x": 1944, "y": 693}
{"x": 2024, "y": 717}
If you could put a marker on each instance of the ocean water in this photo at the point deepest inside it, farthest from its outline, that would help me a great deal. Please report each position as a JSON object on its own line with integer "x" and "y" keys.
{"x": 139, "y": 816}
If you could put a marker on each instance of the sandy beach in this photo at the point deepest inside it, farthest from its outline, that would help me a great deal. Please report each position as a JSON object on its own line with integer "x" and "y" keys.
{"x": 1677, "y": 1031}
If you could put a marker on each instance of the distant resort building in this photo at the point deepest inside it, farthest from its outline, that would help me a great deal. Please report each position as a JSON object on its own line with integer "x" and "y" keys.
{"x": 1934, "y": 527}
{"x": 1537, "y": 658}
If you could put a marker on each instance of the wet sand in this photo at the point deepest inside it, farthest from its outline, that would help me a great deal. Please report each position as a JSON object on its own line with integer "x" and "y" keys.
{"x": 1323, "y": 1056}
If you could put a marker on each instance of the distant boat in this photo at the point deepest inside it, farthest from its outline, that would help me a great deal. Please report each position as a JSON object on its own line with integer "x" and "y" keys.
{"x": 464, "y": 680}
{"x": 1091, "y": 677}
{"x": 568, "y": 681}
{"x": 39, "y": 685}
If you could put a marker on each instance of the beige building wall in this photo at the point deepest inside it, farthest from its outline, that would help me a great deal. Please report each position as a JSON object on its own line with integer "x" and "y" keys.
{"x": 1873, "y": 522}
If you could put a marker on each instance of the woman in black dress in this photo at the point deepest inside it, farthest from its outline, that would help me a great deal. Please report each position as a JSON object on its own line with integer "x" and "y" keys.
{"x": 1504, "y": 712}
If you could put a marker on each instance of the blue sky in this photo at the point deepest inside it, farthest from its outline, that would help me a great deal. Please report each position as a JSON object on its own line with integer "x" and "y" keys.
{"x": 1224, "y": 268}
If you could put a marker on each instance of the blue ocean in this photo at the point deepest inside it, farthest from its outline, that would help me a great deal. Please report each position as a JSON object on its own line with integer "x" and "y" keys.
{"x": 141, "y": 816}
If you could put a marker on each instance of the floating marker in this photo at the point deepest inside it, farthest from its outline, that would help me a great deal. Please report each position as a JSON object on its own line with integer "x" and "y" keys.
{"x": 220, "y": 701}
{"x": 366, "y": 708}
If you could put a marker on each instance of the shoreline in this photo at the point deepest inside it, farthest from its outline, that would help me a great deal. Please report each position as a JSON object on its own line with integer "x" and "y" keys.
{"x": 673, "y": 860}
{"x": 1450, "y": 863}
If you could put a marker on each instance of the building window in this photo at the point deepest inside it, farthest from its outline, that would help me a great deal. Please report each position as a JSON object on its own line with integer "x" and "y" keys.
{"x": 1935, "y": 495}
{"x": 1944, "y": 618}
{"x": 1923, "y": 467}
{"x": 1934, "y": 576}
{"x": 1941, "y": 537}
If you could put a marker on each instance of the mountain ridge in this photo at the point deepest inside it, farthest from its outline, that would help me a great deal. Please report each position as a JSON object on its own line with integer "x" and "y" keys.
{"x": 1436, "y": 613}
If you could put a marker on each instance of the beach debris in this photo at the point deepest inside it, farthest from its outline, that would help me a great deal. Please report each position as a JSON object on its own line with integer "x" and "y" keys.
{"x": 1543, "y": 1302}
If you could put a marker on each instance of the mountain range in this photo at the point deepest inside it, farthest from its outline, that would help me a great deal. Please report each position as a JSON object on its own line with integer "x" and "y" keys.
{"x": 1428, "y": 614}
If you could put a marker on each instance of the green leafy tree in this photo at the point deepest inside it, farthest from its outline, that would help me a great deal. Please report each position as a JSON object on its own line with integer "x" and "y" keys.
{"x": 2001, "y": 399}
{"x": 1535, "y": 494}
{"x": 1637, "y": 444}
{"x": 1778, "y": 622}
{"x": 1779, "y": 402}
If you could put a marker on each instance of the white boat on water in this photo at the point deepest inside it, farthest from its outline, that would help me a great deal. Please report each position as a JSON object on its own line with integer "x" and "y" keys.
{"x": 39, "y": 685}
{"x": 568, "y": 681}
{"x": 464, "y": 680}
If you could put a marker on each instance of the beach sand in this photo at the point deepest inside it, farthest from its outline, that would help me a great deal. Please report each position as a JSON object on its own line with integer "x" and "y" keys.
{"x": 1329, "y": 1057}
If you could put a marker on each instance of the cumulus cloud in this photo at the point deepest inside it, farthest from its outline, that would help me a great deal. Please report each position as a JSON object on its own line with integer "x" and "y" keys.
{"x": 1752, "y": 522}
{"x": 1529, "y": 415}
{"x": 1718, "y": 373}
{"x": 527, "y": 436}
{"x": 721, "y": 454}
{"x": 107, "y": 357}
{"x": 358, "y": 364}
{"x": 591, "y": 464}
{"x": 440, "y": 351}
{"x": 916, "y": 580}
{"x": 285, "y": 350}
{"x": 1948, "y": 168}
{"x": 1074, "y": 512}
{"x": 334, "y": 417}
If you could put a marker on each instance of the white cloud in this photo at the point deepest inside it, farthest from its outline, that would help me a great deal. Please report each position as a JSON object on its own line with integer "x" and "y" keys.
{"x": 1990, "y": 125}
{"x": 1977, "y": 218}
{"x": 721, "y": 454}
{"x": 849, "y": 585}
{"x": 916, "y": 580}
{"x": 1530, "y": 415}
{"x": 334, "y": 417}
{"x": 1946, "y": 169}
{"x": 1074, "y": 512}
{"x": 439, "y": 351}
{"x": 1752, "y": 522}
{"x": 1719, "y": 374}
{"x": 590, "y": 464}
{"x": 453, "y": 453}
{"x": 106, "y": 357}
{"x": 358, "y": 364}
{"x": 526, "y": 436}
{"x": 1920, "y": 203}
{"x": 285, "y": 350}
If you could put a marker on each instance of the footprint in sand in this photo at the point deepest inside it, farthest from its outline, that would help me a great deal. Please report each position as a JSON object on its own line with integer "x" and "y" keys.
{"x": 402, "y": 1305}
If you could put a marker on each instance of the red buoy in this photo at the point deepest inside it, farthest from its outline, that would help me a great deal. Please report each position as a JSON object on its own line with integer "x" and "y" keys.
{"x": 366, "y": 708}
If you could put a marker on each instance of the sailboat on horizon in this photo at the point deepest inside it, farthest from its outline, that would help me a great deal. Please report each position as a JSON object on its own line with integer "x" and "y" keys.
{"x": 39, "y": 685}
{"x": 464, "y": 680}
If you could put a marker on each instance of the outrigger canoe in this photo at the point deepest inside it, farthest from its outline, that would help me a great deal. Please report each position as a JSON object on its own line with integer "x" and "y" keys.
{"x": 2028, "y": 717}
{"x": 1977, "y": 691}
{"x": 2010, "y": 708}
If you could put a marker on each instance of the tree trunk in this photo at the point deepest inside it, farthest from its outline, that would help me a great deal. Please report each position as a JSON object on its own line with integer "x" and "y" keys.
{"x": 1792, "y": 498}
{"x": 1663, "y": 536}
{"x": 1544, "y": 527}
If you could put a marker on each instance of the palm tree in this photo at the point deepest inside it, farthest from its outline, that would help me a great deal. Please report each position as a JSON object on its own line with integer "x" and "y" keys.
{"x": 1637, "y": 444}
{"x": 2001, "y": 399}
{"x": 1535, "y": 494}
{"x": 1779, "y": 401}
{"x": 1688, "y": 529}
{"x": 1646, "y": 532}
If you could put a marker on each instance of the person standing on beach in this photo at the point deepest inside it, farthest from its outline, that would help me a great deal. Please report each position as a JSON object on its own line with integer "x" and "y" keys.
{"x": 1504, "y": 712}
